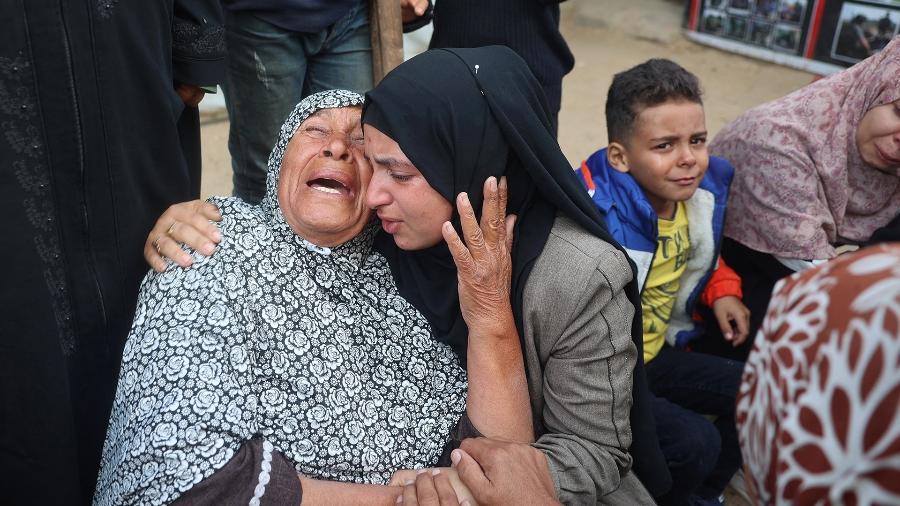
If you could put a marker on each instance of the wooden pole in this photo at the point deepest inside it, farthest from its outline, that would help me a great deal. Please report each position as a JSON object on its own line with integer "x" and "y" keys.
{"x": 387, "y": 36}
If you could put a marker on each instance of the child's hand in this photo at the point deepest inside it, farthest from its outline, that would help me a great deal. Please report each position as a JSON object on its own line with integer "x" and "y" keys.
{"x": 730, "y": 309}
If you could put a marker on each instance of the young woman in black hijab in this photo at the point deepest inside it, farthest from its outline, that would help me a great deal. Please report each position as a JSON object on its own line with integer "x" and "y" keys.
{"x": 441, "y": 124}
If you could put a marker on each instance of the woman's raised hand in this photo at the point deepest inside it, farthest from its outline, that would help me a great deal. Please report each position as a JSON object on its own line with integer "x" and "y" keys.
{"x": 497, "y": 404}
{"x": 184, "y": 223}
{"x": 484, "y": 262}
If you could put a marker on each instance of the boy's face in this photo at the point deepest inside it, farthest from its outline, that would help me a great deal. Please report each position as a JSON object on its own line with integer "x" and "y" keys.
{"x": 666, "y": 153}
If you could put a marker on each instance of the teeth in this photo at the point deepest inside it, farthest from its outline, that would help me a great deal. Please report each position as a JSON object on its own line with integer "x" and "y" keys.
{"x": 325, "y": 189}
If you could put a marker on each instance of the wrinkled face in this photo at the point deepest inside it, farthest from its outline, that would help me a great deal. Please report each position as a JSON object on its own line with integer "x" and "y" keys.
{"x": 324, "y": 176}
{"x": 878, "y": 137}
{"x": 409, "y": 208}
{"x": 667, "y": 153}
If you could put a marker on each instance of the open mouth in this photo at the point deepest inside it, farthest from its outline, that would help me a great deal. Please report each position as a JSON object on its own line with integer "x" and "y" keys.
{"x": 330, "y": 184}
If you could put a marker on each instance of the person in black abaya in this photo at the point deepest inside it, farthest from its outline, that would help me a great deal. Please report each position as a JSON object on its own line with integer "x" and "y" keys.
{"x": 441, "y": 124}
{"x": 100, "y": 133}
{"x": 528, "y": 27}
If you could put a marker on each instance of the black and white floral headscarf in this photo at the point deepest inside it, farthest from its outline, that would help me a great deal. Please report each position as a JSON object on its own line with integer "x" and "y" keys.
{"x": 310, "y": 348}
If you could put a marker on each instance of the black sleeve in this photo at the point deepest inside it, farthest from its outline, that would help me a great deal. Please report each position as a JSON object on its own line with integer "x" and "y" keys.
{"x": 887, "y": 233}
{"x": 463, "y": 430}
{"x": 198, "y": 42}
{"x": 255, "y": 465}
{"x": 420, "y": 21}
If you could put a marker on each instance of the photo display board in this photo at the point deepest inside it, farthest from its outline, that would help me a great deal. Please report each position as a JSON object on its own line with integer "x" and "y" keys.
{"x": 857, "y": 30}
{"x": 838, "y": 32}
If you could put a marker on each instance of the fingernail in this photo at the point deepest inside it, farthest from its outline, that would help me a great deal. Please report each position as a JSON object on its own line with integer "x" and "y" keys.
{"x": 217, "y": 236}
{"x": 408, "y": 482}
{"x": 728, "y": 335}
{"x": 208, "y": 248}
{"x": 435, "y": 472}
{"x": 455, "y": 456}
{"x": 465, "y": 503}
{"x": 448, "y": 227}
{"x": 399, "y": 498}
{"x": 493, "y": 183}
{"x": 420, "y": 471}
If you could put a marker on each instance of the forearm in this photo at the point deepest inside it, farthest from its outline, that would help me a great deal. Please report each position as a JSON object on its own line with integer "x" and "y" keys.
{"x": 588, "y": 377}
{"x": 321, "y": 492}
{"x": 498, "y": 404}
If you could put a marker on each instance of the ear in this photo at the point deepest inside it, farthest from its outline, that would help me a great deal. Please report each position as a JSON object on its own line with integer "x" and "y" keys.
{"x": 617, "y": 156}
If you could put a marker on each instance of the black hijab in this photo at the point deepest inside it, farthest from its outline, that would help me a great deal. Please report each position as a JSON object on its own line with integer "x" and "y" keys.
{"x": 458, "y": 126}
{"x": 460, "y": 116}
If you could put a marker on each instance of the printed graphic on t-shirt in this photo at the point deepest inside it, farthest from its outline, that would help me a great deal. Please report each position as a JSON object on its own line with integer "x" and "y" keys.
{"x": 672, "y": 250}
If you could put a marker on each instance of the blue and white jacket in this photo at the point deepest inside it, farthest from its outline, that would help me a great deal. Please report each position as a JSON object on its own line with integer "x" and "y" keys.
{"x": 633, "y": 223}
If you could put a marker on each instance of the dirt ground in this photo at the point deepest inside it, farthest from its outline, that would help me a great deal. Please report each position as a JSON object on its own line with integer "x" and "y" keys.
{"x": 606, "y": 37}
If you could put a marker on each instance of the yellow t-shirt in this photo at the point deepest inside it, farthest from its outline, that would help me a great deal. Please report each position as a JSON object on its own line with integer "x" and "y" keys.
{"x": 663, "y": 280}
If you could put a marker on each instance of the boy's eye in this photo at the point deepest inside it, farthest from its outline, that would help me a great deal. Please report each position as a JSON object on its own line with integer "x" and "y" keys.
{"x": 664, "y": 145}
{"x": 698, "y": 140}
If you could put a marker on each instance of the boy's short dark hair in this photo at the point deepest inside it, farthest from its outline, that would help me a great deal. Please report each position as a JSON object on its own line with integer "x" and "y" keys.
{"x": 651, "y": 83}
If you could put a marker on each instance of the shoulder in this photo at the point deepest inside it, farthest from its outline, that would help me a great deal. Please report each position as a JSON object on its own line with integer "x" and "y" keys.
{"x": 234, "y": 209}
{"x": 577, "y": 289}
{"x": 243, "y": 226}
{"x": 238, "y": 219}
{"x": 573, "y": 257}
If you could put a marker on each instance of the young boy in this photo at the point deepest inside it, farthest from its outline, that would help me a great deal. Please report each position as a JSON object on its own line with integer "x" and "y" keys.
{"x": 664, "y": 198}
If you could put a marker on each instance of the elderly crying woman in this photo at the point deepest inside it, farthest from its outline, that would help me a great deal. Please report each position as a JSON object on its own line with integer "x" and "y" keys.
{"x": 293, "y": 336}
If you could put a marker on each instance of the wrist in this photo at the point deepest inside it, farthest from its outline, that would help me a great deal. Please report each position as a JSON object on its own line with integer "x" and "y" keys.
{"x": 495, "y": 328}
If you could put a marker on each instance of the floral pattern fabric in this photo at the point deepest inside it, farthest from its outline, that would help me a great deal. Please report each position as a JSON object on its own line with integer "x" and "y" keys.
{"x": 818, "y": 413}
{"x": 799, "y": 183}
{"x": 310, "y": 348}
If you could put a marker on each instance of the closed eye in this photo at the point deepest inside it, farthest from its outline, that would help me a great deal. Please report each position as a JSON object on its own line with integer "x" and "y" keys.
{"x": 316, "y": 131}
{"x": 400, "y": 177}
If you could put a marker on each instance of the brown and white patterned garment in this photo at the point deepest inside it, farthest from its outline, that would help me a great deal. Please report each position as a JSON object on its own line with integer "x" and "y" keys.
{"x": 819, "y": 409}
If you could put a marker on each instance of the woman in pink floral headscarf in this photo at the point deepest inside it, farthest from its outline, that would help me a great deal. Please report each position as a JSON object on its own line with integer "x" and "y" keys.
{"x": 815, "y": 171}
{"x": 818, "y": 413}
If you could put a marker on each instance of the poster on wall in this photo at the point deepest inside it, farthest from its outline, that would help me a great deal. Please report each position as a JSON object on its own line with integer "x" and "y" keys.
{"x": 772, "y": 24}
{"x": 853, "y": 30}
{"x": 863, "y": 30}
{"x": 819, "y": 36}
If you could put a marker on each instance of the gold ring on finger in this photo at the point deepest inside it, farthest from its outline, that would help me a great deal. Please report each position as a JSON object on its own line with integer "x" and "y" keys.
{"x": 171, "y": 228}
{"x": 156, "y": 244}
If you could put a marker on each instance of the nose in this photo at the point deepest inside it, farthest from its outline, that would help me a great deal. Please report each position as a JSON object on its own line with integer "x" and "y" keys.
{"x": 688, "y": 158}
{"x": 337, "y": 147}
{"x": 377, "y": 194}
